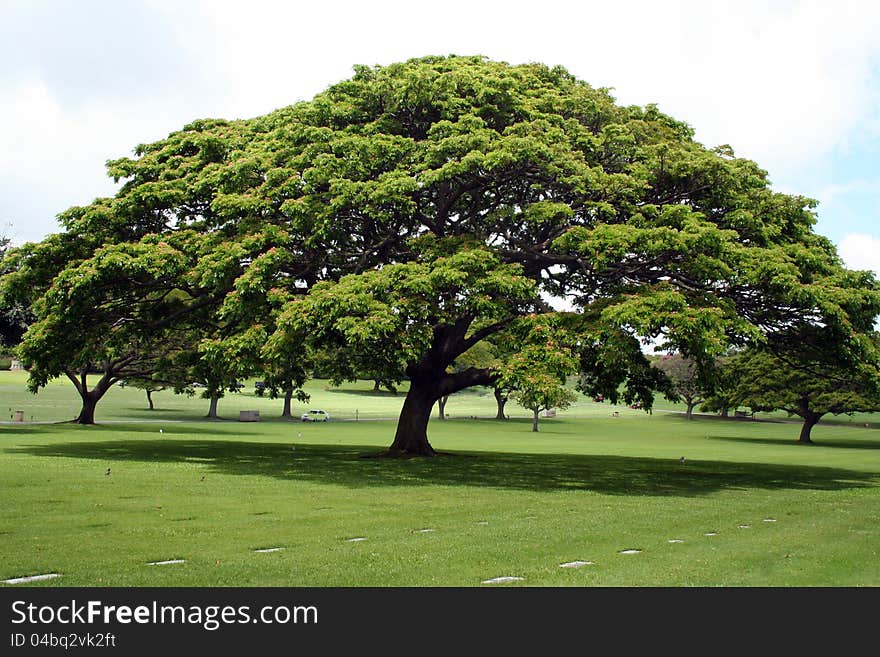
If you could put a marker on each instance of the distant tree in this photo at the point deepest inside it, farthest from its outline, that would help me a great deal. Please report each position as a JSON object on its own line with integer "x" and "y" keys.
{"x": 493, "y": 352}
{"x": 149, "y": 386}
{"x": 539, "y": 371}
{"x": 690, "y": 382}
{"x": 540, "y": 391}
{"x": 379, "y": 383}
{"x": 803, "y": 388}
{"x": 15, "y": 315}
{"x": 210, "y": 370}
{"x": 285, "y": 382}
{"x": 722, "y": 396}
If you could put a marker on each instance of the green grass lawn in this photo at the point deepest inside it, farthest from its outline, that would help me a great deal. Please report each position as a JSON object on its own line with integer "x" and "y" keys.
{"x": 504, "y": 502}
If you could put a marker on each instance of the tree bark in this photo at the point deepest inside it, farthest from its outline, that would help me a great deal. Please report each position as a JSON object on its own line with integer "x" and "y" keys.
{"x": 428, "y": 382}
{"x": 810, "y": 421}
{"x": 90, "y": 398}
{"x": 150, "y": 400}
{"x": 500, "y": 400}
{"x": 441, "y": 406}
{"x": 376, "y": 386}
{"x": 689, "y": 414}
{"x": 535, "y": 420}
{"x": 87, "y": 412}
{"x": 725, "y": 412}
{"x": 212, "y": 409}
{"x": 411, "y": 437}
{"x": 288, "y": 394}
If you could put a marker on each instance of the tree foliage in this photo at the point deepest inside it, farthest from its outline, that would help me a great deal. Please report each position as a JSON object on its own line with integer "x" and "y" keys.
{"x": 538, "y": 371}
{"x": 802, "y": 387}
{"x": 15, "y": 315}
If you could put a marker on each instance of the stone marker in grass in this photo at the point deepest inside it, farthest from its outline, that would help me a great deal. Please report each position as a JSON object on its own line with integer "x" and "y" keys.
{"x": 31, "y": 578}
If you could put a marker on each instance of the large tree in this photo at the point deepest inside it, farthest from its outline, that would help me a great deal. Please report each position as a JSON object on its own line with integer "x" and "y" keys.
{"x": 414, "y": 210}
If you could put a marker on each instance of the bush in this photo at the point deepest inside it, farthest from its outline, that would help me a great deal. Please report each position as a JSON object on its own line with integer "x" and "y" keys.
{"x": 5, "y": 362}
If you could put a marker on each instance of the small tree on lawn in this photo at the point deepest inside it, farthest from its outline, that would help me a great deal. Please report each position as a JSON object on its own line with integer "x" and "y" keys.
{"x": 541, "y": 391}
{"x": 538, "y": 372}
{"x": 689, "y": 382}
{"x": 149, "y": 386}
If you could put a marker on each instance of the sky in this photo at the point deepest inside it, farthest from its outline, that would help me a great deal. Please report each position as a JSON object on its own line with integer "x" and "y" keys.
{"x": 793, "y": 85}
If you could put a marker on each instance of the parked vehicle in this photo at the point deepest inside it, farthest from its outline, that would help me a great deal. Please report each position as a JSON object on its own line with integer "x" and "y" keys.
{"x": 315, "y": 416}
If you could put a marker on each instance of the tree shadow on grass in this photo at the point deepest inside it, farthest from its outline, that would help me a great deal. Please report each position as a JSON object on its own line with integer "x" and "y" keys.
{"x": 368, "y": 393}
{"x": 125, "y": 426}
{"x": 343, "y": 465}
{"x": 831, "y": 443}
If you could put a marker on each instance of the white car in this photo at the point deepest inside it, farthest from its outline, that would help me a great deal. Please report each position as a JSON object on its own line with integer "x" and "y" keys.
{"x": 315, "y": 416}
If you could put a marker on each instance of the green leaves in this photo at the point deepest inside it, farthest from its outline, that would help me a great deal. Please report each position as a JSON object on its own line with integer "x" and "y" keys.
{"x": 792, "y": 382}
{"x": 398, "y": 309}
{"x": 538, "y": 371}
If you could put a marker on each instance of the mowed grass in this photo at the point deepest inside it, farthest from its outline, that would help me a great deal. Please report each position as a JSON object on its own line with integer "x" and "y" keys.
{"x": 503, "y": 501}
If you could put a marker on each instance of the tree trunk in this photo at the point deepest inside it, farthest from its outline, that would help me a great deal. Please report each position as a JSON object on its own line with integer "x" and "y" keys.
{"x": 412, "y": 426}
{"x": 90, "y": 398}
{"x": 690, "y": 410}
{"x": 535, "y": 420}
{"x": 810, "y": 421}
{"x": 376, "y": 386}
{"x": 725, "y": 412}
{"x": 441, "y": 405}
{"x": 87, "y": 412}
{"x": 212, "y": 409}
{"x": 288, "y": 394}
{"x": 500, "y": 400}
{"x": 150, "y": 400}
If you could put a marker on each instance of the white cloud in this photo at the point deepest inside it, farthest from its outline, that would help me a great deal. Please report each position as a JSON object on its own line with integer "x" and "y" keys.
{"x": 41, "y": 141}
{"x": 780, "y": 82}
{"x": 56, "y": 153}
{"x": 860, "y": 251}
